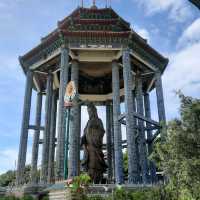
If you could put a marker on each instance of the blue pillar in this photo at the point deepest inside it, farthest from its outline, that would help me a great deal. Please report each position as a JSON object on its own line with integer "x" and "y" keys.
{"x": 24, "y": 129}
{"x": 160, "y": 104}
{"x": 36, "y": 139}
{"x": 109, "y": 141}
{"x": 112, "y": 140}
{"x": 133, "y": 175}
{"x": 64, "y": 70}
{"x": 152, "y": 167}
{"x": 119, "y": 174}
{"x": 74, "y": 137}
{"x": 141, "y": 132}
{"x": 46, "y": 135}
{"x": 51, "y": 167}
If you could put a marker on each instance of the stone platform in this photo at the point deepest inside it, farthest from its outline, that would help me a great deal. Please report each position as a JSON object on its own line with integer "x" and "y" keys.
{"x": 2, "y": 191}
{"x": 59, "y": 191}
{"x": 34, "y": 190}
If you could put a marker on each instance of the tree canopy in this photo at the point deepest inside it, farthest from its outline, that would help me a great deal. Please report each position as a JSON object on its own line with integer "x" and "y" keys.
{"x": 8, "y": 178}
{"x": 179, "y": 155}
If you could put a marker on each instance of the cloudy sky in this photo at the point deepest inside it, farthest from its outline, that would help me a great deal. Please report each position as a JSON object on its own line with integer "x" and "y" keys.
{"x": 171, "y": 27}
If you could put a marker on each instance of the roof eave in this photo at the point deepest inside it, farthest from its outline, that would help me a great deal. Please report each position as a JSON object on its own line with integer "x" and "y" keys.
{"x": 160, "y": 57}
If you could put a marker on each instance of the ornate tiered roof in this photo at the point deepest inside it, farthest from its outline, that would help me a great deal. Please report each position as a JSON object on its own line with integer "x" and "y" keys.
{"x": 92, "y": 30}
{"x": 87, "y": 24}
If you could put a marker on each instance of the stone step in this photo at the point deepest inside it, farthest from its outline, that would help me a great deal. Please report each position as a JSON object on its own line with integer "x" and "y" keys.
{"x": 57, "y": 195}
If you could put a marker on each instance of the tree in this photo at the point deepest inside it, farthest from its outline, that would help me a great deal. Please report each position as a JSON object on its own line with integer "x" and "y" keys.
{"x": 179, "y": 156}
{"x": 8, "y": 178}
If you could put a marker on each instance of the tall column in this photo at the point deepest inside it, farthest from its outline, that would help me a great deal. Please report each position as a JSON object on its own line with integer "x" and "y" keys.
{"x": 74, "y": 137}
{"x": 79, "y": 135}
{"x": 148, "y": 115}
{"x": 52, "y": 144}
{"x": 136, "y": 123}
{"x": 152, "y": 167}
{"x": 141, "y": 131}
{"x": 24, "y": 129}
{"x": 46, "y": 135}
{"x": 160, "y": 104}
{"x": 109, "y": 141}
{"x": 64, "y": 70}
{"x": 119, "y": 174}
{"x": 133, "y": 175}
{"x": 112, "y": 140}
{"x": 36, "y": 139}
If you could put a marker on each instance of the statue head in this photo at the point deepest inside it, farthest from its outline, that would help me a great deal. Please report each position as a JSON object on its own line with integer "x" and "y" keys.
{"x": 92, "y": 111}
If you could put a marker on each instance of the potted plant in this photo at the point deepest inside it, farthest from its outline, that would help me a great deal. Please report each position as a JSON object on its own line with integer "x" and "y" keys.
{"x": 77, "y": 187}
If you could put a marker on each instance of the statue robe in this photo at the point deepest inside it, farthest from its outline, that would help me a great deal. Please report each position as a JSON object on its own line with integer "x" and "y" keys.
{"x": 92, "y": 142}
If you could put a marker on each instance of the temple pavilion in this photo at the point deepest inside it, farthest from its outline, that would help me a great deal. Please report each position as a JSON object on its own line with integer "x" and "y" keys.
{"x": 109, "y": 64}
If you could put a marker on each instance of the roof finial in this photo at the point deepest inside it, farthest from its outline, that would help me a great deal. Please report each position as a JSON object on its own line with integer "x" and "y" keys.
{"x": 94, "y": 5}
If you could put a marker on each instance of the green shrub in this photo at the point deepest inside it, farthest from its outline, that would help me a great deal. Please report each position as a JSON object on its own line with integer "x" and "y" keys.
{"x": 27, "y": 198}
{"x": 79, "y": 183}
{"x": 96, "y": 198}
{"x": 120, "y": 194}
{"x": 9, "y": 198}
{"x": 16, "y": 198}
{"x": 139, "y": 195}
{"x": 155, "y": 193}
{"x": 45, "y": 198}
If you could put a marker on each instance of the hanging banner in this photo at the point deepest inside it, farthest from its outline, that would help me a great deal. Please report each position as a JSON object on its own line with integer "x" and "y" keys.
{"x": 70, "y": 94}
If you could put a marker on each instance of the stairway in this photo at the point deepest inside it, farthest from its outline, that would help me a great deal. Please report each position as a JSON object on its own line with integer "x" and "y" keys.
{"x": 57, "y": 195}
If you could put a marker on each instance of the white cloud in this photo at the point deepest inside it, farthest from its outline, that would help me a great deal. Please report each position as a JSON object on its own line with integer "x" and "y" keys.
{"x": 191, "y": 34}
{"x": 142, "y": 32}
{"x": 182, "y": 74}
{"x": 156, "y": 5}
{"x": 179, "y": 10}
{"x": 8, "y": 158}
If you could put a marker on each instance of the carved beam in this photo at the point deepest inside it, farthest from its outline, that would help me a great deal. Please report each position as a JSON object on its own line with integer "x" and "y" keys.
{"x": 136, "y": 115}
{"x": 33, "y": 127}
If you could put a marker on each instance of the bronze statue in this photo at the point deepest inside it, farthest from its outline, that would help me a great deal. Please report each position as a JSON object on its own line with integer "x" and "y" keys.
{"x": 92, "y": 142}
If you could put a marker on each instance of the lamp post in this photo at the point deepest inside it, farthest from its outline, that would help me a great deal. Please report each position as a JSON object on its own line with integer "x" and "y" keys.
{"x": 68, "y": 99}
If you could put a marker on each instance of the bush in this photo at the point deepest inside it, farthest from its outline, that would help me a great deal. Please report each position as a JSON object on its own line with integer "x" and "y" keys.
{"x": 79, "y": 183}
{"x": 16, "y": 198}
{"x": 96, "y": 198}
{"x": 9, "y": 198}
{"x": 45, "y": 198}
{"x": 27, "y": 198}
{"x": 154, "y": 193}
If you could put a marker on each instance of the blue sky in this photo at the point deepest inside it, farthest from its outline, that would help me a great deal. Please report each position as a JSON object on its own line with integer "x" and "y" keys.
{"x": 171, "y": 27}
